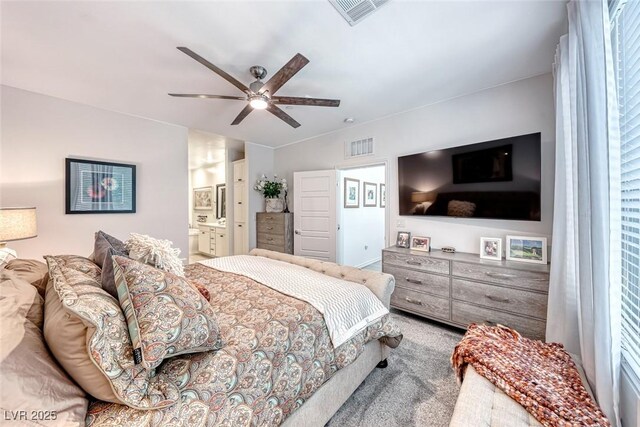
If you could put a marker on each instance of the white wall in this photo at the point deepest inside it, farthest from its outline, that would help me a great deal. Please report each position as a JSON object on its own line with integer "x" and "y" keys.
{"x": 39, "y": 132}
{"x": 259, "y": 161}
{"x": 518, "y": 108}
{"x": 361, "y": 235}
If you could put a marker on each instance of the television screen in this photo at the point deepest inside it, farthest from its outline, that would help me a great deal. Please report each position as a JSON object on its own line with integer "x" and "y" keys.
{"x": 495, "y": 179}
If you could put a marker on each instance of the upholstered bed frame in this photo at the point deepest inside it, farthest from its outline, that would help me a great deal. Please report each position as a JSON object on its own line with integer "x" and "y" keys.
{"x": 326, "y": 401}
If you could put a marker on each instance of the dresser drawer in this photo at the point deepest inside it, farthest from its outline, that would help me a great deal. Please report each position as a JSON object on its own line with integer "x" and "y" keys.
{"x": 270, "y": 227}
{"x": 416, "y": 262}
{"x": 421, "y": 303}
{"x": 518, "y": 301}
{"x": 274, "y": 219}
{"x": 531, "y": 280}
{"x": 465, "y": 314}
{"x": 276, "y": 248}
{"x": 271, "y": 239}
{"x": 419, "y": 281}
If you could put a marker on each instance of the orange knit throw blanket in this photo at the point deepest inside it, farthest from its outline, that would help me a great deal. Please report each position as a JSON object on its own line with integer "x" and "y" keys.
{"x": 541, "y": 377}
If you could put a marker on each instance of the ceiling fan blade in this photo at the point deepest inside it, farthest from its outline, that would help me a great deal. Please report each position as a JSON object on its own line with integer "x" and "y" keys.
{"x": 292, "y": 100}
{"x": 195, "y": 95}
{"x": 276, "y": 111}
{"x": 215, "y": 69}
{"x": 285, "y": 73}
{"x": 244, "y": 113}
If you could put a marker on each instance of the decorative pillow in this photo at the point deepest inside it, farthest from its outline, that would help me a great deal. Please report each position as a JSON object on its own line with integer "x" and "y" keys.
{"x": 105, "y": 247}
{"x": 32, "y": 381}
{"x": 155, "y": 252}
{"x": 461, "y": 209}
{"x": 34, "y": 272}
{"x": 166, "y": 314}
{"x": 87, "y": 333}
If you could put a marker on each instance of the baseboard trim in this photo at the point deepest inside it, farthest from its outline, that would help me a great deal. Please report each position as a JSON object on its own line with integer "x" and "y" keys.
{"x": 366, "y": 263}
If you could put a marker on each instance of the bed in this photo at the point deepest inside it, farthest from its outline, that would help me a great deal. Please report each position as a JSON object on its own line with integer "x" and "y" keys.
{"x": 278, "y": 365}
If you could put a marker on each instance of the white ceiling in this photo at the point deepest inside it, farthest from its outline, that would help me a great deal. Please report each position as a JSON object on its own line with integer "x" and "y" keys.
{"x": 122, "y": 56}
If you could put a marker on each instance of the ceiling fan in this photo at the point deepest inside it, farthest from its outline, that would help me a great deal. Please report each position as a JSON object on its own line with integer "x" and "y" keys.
{"x": 261, "y": 95}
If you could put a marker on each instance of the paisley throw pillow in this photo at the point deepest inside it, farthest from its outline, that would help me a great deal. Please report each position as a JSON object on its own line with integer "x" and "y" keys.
{"x": 166, "y": 313}
{"x": 87, "y": 333}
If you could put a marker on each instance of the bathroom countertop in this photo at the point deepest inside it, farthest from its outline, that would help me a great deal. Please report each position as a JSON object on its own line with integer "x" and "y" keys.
{"x": 211, "y": 224}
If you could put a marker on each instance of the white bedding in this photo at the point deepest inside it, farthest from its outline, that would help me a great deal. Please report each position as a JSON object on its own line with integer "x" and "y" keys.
{"x": 347, "y": 307}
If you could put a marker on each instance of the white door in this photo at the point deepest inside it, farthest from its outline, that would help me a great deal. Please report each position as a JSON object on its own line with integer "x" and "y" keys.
{"x": 314, "y": 198}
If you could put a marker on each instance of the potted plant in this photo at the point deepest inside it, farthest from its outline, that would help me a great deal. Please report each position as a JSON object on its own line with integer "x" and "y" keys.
{"x": 271, "y": 191}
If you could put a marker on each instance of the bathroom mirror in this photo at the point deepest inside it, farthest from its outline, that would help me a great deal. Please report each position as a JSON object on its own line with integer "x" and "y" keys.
{"x": 221, "y": 201}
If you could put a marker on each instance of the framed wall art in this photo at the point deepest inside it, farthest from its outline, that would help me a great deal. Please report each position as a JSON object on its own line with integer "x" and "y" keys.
{"x": 370, "y": 194}
{"x": 93, "y": 186}
{"x": 203, "y": 199}
{"x": 351, "y": 193}
{"x": 383, "y": 195}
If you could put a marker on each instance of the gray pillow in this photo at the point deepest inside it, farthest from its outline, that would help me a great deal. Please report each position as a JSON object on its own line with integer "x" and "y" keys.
{"x": 105, "y": 247}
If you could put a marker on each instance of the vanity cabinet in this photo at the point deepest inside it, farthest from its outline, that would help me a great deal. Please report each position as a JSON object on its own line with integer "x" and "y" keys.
{"x": 461, "y": 288}
{"x": 213, "y": 240}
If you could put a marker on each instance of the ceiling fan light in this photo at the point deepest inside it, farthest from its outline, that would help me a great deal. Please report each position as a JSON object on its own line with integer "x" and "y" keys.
{"x": 258, "y": 103}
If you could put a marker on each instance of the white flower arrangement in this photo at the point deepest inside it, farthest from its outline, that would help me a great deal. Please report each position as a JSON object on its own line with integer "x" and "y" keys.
{"x": 271, "y": 189}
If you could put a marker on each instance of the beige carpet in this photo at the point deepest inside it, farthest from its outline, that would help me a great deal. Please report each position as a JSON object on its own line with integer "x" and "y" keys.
{"x": 418, "y": 388}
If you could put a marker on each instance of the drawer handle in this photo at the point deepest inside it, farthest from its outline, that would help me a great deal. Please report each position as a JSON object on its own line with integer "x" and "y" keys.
{"x": 496, "y": 299}
{"x": 239, "y": 203}
{"x": 221, "y": 235}
{"x": 269, "y": 239}
{"x": 268, "y": 217}
{"x": 269, "y": 228}
{"x": 417, "y": 282}
{"x": 411, "y": 262}
{"x": 500, "y": 275}
{"x": 239, "y": 225}
{"x": 413, "y": 301}
{"x": 490, "y": 322}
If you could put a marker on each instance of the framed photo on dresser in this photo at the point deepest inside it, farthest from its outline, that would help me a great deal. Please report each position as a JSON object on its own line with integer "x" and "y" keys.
{"x": 527, "y": 249}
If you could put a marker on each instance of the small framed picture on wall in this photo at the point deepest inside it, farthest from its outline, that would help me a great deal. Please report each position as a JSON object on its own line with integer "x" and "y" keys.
{"x": 403, "y": 239}
{"x": 491, "y": 248}
{"x": 527, "y": 249}
{"x": 351, "y": 193}
{"x": 383, "y": 195}
{"x": 370, "y": 195}
{"x": 421, "y": 243}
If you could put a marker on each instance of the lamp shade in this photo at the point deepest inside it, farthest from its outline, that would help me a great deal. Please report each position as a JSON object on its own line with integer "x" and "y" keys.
{"x": 17, "y": 224}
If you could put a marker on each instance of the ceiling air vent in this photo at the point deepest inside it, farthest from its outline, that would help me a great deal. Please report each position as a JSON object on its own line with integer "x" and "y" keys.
{"x": 361, "y": 147}
{"x": 355, "y": 11}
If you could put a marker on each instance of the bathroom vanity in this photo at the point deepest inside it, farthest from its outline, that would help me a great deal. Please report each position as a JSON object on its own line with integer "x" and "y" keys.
{"x": 212, "y": 239}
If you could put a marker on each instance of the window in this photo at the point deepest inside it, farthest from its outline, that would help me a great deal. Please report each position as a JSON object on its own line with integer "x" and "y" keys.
{"x": 626, "y": 40}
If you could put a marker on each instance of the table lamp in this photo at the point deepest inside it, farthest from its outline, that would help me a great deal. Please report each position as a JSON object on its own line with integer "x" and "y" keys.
{"x": 15, "y": 224}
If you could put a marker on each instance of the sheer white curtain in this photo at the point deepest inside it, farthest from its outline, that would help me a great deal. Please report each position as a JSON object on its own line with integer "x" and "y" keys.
{"x": 584, "y": 295}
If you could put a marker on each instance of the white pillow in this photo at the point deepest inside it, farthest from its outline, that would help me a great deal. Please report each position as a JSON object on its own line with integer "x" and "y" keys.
{"x": 155, "y": 252}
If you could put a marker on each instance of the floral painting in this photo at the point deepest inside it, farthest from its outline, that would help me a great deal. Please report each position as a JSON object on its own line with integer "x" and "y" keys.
{"x": 99, "y": 187}
{"x": 203, "y": 198}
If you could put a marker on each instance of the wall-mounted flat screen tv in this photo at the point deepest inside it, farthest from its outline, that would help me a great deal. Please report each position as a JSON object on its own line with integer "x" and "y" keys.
{"x": 497, "y": 179}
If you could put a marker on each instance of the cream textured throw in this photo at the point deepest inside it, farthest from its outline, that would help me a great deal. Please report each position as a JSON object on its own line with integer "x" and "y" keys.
{"x": 347, "y": 307}
{"x": 155, "y": 252}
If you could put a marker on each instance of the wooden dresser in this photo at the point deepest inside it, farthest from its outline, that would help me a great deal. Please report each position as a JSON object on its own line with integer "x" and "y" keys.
{"x": 275, "y": 231}
{"x": 461, "y": 288}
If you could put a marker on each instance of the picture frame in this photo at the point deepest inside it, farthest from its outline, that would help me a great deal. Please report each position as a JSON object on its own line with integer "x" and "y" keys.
{"x": 491, "y": 248}
{"x": 221, "y": 201}
{"x": 370, "y": 195}
{"x": 403, "y": 240}
{"x": 351, "y": 193}
{"x": 420, "y": 243}
{"x": 527, "y": 249}
{"x": 383, "y": 195}
{"x": 203, "y": 199}
{"x": 98, "y": 187}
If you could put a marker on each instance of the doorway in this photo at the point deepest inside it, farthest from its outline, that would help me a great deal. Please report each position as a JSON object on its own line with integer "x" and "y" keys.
{"x": 362, "y": 216}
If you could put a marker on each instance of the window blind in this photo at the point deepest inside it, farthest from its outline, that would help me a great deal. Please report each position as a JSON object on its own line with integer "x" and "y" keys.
{"x": 626, "y": 39}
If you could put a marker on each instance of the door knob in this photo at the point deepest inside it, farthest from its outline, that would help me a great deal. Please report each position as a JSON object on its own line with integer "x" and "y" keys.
{"x": 297, "y": 231}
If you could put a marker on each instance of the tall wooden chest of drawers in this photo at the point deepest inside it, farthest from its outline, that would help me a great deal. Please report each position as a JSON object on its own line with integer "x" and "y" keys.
{"x": 275, "y": 231}
{"x": 460, "y": 289}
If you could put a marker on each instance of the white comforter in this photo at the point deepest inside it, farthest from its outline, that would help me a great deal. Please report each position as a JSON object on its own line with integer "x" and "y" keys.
{"x": 347, "y": 307}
